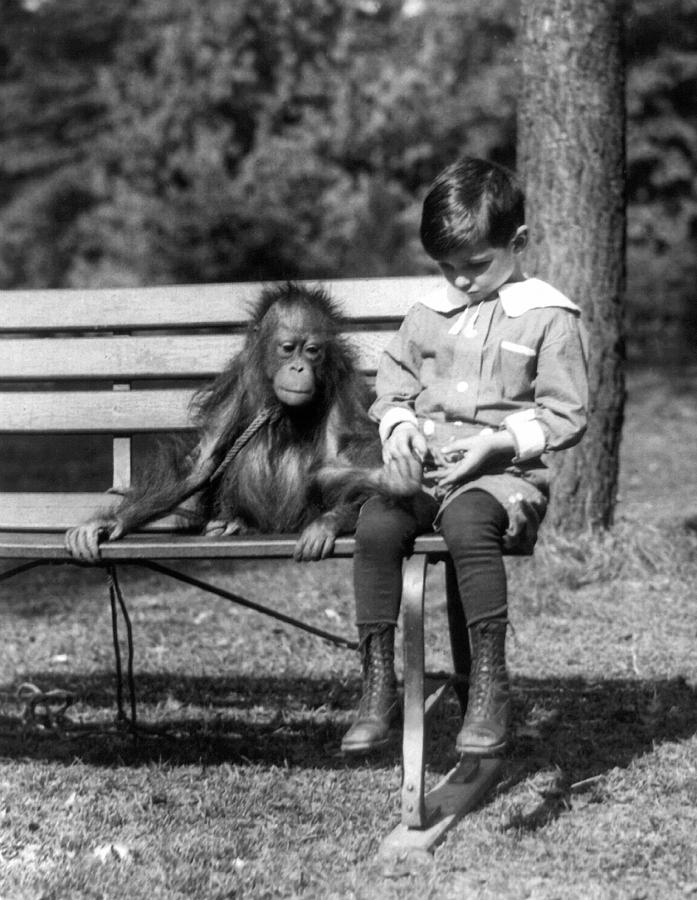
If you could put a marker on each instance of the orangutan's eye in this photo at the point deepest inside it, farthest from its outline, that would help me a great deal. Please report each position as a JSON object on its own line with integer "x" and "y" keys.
{"x": 312, "y": 351}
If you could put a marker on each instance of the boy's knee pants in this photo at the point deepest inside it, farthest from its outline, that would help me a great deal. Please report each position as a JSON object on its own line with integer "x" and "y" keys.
{"x": 472, "y": 525}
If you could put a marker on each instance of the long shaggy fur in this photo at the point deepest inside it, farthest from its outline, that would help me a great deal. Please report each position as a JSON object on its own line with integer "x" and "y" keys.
{"x": 307, "y": 460}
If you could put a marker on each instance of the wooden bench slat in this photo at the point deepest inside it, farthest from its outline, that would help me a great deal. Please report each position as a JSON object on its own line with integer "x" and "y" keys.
{"x": 126, "y": 308}
{"x": 366, "y": 299}
{"x": 57, "y": 510}
{"x": 48, "y": 511}
{"x": 94, "y": 411}
{"x": 127, "y": 358}
{"x": 117, "y": 357}
{"x": 49, "y": 546}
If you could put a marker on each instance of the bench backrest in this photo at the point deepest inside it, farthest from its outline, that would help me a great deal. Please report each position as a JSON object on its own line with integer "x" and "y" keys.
{"x": 123, "y": 362}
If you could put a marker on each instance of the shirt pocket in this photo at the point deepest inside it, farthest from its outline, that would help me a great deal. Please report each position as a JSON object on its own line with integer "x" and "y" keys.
{"x": 518, "y": 366}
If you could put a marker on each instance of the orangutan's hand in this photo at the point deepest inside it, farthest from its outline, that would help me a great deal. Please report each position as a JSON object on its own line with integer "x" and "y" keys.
{"x": 317, "y": 540}
{"x": 83, "y": 541}
{"x": 402, "y": 477}
{"x": 403, "y": 454}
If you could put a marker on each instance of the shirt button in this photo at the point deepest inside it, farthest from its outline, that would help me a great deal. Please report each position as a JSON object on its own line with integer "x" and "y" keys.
{"x": 429, "y": 427}
{"x": 461, "y": 387}
{"x": 458, "y": 423}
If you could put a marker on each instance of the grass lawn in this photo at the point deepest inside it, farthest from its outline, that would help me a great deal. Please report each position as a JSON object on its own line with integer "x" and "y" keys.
{"x": 245, "y": 795}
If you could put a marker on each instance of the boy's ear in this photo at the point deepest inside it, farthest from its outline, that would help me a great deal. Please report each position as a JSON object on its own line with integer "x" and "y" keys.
{"x": 520, "y": 239}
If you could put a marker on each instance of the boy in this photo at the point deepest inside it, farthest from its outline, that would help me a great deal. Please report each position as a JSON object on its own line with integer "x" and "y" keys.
{"x": 482, "y": 378}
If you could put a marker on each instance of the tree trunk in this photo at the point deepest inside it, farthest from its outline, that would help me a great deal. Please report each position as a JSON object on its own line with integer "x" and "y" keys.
{"x": 571, "y": 151}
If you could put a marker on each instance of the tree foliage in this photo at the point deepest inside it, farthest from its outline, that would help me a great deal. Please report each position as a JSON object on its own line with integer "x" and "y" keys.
{"x": 155, "y": 141}
{"x": 254, "y": 139}
{"x": 662, "y": 168}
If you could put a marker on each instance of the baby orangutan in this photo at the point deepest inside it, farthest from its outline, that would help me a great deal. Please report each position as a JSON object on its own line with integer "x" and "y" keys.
{"x": 284, "y": 443}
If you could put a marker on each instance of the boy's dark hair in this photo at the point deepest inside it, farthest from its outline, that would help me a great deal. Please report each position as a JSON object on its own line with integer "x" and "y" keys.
{"x": 472, "y": 200}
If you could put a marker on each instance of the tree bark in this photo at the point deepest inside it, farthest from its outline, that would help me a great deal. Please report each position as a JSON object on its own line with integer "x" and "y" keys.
{"x": 571, "y": 157}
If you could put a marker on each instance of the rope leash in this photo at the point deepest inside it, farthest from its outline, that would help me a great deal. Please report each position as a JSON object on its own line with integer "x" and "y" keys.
{"x": 55, "y": 703}
{"x": 44, "y": 712}
{"x": 266, "y": 415}
{"x": 116, "y": 596}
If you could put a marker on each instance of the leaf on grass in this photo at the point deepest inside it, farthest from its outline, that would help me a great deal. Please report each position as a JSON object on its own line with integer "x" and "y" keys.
{"x": 528, "y": 731}
{"x": 171, "y": 704}
{"x": 654, "y": 712}
{"x": 29, "y": 853}
{"x": 118, "y": 852}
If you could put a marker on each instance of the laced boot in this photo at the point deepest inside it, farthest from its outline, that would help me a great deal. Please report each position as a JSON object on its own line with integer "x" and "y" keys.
{"x": 483, "y": 732}
{"x": 379, "y": 702}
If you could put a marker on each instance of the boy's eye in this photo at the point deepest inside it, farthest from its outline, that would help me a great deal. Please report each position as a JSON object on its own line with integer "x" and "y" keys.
{"x": 476, "y": 266}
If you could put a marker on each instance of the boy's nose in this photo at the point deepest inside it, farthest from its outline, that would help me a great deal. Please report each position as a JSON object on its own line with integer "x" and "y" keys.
{"x": 462, "y": 281}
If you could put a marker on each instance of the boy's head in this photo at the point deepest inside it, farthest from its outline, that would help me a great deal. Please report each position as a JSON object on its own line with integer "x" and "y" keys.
{"x": 472, "y": 201}
{"x": 473, "y": 226}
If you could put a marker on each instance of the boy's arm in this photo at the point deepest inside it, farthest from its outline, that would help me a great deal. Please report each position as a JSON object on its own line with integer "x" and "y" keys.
{"x": 398, "y": 380}
{"x": 558, "y": 419}
{"x": 397, "y": 386}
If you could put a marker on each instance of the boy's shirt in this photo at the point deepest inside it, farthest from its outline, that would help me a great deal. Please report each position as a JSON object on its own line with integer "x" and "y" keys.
{"x": 516, "y": 361}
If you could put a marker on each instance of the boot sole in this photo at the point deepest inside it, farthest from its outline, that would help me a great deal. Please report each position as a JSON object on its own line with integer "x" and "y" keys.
{"x": 468, "y": 750}
{"x": 365, "y": 747}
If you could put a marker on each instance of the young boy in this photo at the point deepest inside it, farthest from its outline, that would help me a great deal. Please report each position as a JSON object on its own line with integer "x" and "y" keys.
{"x": 482, "y": 378}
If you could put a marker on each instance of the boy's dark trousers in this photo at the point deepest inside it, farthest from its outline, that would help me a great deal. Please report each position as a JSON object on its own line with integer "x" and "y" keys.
{"x": 472, "y": 525}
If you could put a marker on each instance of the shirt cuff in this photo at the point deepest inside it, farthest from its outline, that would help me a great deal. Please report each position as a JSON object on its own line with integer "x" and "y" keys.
{"x": 396, "y": 415}
{"x": 527, "y": 433}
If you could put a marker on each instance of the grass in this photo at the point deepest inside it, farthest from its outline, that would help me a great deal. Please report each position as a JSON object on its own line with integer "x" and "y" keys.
{"x": 245, "y": 794}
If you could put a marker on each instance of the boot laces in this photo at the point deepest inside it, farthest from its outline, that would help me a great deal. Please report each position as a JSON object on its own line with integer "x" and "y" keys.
{"x": 378, "y": 676}
{"x": 486, "y": 669}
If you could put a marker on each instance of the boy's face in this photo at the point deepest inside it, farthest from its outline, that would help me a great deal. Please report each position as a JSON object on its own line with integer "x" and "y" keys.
{"x": 479, "y": 270}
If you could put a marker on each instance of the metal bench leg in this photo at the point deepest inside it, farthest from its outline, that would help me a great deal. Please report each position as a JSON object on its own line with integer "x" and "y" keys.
{"x": 427, "y": 818}
{"x": 414, "y": 737}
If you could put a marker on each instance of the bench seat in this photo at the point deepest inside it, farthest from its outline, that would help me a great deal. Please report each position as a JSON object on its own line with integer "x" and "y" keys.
{"x": 48, "y": 545}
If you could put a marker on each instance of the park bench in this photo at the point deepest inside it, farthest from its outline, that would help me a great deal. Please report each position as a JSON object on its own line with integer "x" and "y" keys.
{"x": 120, "y": 363}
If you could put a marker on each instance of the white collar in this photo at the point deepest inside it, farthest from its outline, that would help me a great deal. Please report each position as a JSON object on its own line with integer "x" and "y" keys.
{"x": 516, "y": 298}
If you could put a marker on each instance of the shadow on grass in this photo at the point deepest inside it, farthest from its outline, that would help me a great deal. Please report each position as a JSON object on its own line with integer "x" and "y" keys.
{"x": 569, "y": 733}
{"x": 577, "y": 727}
{"x": 269, "y": 720}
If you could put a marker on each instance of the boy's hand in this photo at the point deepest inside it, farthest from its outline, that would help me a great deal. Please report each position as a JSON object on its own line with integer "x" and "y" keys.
{"x": 469, "y": 455}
